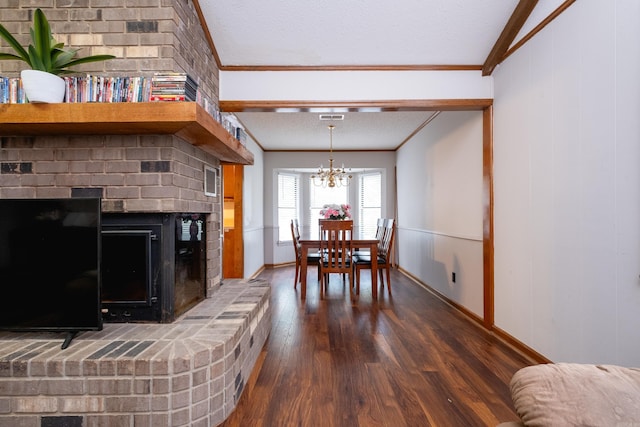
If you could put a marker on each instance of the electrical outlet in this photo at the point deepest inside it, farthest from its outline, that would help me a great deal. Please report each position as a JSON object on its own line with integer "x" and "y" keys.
{"x": 453, "y": 277}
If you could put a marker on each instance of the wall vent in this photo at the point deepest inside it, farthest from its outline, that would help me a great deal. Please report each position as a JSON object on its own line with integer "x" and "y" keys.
{"x": 331, "y": 116}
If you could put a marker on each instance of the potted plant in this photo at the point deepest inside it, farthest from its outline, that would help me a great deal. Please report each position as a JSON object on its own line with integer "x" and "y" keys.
{"x": 47, "y": 58}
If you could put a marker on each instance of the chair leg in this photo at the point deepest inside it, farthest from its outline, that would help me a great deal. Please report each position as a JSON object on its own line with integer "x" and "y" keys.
{"x": 296, "y": 278}
{"x": 321, "y": 281}
{"x": 388, "y": 268}
{"x": 351, "y": 294}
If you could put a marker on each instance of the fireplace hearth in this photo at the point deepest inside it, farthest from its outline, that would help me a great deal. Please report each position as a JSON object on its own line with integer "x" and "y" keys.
{"x": 153, "y": 266}
{"x": 190, "y": 372}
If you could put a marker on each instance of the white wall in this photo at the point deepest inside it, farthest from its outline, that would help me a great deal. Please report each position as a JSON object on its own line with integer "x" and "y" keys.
{"x": 567, "y": 187}
{"x": 282, "y": 253}
{"x": 440, "y": 207}
{"x": 353, "y": 85}
{"x": 253, "y": 211}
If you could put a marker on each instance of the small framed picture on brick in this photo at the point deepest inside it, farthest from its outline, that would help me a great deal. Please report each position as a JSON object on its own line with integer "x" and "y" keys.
{"x": 211, "y": 181}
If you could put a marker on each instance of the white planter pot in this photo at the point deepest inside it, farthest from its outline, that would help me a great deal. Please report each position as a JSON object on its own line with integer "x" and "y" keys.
{"x": 40, "y": 86}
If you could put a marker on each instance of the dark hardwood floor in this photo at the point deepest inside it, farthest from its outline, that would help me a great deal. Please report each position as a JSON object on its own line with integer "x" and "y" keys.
{"x": 407, "y": 360}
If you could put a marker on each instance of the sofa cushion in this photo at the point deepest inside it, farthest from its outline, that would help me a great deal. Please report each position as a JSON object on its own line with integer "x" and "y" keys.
{"x": 568, "y": 394}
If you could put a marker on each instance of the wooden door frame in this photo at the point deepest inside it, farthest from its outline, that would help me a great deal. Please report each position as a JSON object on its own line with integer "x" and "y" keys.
{"x": 485, "y": 105}
{"x": 237, "y": 185}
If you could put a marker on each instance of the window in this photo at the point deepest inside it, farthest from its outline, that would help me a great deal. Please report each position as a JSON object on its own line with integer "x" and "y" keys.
{"x": 288, "y": 185}
{"x": 320, "y": 196}
{"x": 305, "y": 202}
{"x": 370, "y": 203}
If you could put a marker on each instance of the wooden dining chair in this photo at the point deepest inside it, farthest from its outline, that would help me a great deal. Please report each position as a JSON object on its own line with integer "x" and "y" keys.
{"x": 379, "y": 234}
{"x": 385, "y": 249}
{"x": 313, "y": 258}
{"x": 336, "y": 249}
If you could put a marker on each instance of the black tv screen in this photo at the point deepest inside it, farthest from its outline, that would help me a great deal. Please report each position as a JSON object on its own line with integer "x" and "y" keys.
{"x": 50, "y": 264}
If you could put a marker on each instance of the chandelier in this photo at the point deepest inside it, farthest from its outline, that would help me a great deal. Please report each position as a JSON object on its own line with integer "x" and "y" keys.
{"x": 331, "y": 177}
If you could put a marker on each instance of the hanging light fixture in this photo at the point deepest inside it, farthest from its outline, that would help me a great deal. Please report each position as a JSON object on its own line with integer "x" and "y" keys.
{"x": 331, "y": 177}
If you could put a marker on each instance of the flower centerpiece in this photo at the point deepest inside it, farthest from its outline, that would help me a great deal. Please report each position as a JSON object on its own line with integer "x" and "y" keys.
{"x": 335, "y": 211}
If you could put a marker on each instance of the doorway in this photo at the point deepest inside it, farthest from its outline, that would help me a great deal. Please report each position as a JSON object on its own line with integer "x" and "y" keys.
{"x": 484, "y": 105}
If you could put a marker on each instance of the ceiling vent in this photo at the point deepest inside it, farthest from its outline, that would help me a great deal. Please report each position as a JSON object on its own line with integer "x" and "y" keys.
{"x": 331, "y": 116}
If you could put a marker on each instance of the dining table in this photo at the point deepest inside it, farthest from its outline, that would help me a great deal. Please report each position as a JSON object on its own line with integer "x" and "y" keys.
{"x": 307, "y": 243}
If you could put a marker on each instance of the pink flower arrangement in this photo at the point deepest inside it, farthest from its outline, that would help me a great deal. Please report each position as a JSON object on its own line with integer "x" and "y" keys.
{"x": 335, "y": 211}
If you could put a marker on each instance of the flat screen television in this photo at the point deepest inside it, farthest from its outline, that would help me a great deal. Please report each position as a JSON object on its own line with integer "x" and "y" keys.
{"x": 50, "y": 265}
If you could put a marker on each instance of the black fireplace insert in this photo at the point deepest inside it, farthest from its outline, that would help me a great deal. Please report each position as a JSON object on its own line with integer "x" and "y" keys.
{"x": 153, "y": 266}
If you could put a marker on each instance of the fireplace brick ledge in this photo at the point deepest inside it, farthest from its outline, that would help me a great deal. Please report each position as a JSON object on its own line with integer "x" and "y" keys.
{"x": 190, "y": 372}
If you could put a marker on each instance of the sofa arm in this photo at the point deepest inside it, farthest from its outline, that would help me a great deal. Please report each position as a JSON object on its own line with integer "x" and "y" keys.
{"x": 569, "y": 394}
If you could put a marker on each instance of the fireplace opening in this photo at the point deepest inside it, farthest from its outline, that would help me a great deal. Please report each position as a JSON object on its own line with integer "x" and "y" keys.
{"x": 126, "y": 266}
{"x": 153, "y": 266}
{"x": 190, "y": 265}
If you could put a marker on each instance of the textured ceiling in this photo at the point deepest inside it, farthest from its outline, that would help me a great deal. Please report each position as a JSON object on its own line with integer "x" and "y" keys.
{"x": 356, "y": 32}
{"x": 305, "y": 131}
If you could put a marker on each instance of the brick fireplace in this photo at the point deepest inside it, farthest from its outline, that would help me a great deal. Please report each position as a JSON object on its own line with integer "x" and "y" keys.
{"x": 205, "y": 351}
{"x": 133, "y": 170}
{"x": 134, "y": 175}
{"x": 189, "y": 370}
{"x": 144, "y": 161}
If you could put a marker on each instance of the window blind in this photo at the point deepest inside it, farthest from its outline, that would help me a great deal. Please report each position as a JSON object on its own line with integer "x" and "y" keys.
{"x": 287, "y": 204}
{"x": 370, "y": 203}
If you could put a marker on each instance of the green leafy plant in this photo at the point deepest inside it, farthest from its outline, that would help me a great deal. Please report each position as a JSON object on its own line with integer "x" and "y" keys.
{"x": 45, "y": 53}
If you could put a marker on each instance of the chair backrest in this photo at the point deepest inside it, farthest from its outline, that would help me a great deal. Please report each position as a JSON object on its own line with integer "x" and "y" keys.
{"x": 295, "y": 235}
{"x": 380, "y": 232}
{"x": 335, "y": 243}
{"x": 386, "y": 243}
{"x": 295, "y": 229}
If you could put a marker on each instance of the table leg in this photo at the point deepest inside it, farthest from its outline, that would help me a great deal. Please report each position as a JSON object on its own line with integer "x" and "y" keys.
{"x": 303, "y": 271}
{"x": 374, "y": 272}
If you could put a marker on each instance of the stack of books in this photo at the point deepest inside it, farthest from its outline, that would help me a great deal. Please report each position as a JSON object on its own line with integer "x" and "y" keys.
{"x": 11, "y": 91}
{"x": 91, "y": 88}
{"x": 87, "y": 88}
{"x": 173, "y": 87}
{"x": 231, "y": 123}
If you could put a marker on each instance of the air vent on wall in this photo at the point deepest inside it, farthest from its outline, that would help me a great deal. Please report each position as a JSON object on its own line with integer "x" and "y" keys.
{"x": 331, "y": 116}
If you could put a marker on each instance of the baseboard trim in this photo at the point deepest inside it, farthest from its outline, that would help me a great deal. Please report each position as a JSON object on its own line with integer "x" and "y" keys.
{"x": 507, "y": 339}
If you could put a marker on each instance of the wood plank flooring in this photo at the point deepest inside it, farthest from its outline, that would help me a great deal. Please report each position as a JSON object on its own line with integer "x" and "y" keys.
{"x": 407, "y": 360}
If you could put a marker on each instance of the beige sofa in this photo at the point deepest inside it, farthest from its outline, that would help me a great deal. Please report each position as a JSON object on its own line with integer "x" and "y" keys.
{"x": 571, "y": 394}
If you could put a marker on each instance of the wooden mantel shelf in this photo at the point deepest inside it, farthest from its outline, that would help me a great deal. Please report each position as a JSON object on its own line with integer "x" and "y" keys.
{"x": 188, "y": 120}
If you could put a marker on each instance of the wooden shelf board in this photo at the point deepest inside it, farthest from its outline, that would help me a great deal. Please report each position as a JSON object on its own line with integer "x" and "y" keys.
{"x": 187, "y": 120}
